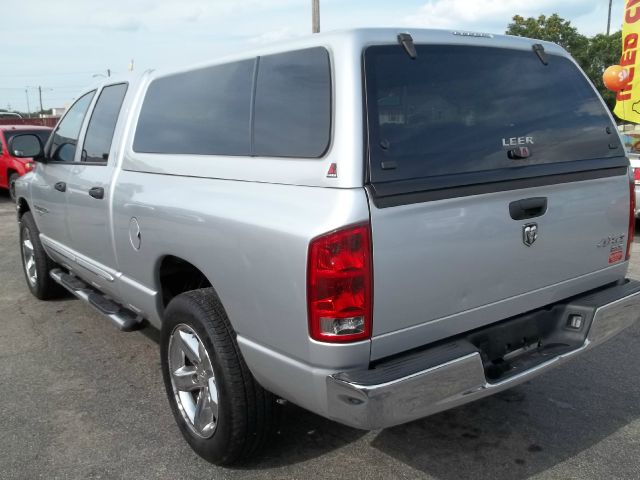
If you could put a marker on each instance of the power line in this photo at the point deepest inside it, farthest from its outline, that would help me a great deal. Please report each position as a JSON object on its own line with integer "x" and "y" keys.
{"x": 49, "y": 88}
{"x": 45, "y": 75}
{"x": 54, "y": 96}
{"x": 42, "y": 75}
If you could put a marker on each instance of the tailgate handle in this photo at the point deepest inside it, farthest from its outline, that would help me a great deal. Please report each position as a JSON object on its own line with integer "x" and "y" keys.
{"x": 528, "y": 208}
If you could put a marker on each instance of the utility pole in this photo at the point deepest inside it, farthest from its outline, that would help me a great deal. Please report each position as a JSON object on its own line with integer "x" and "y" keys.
{"x": 315, "y": 16}
{"x": 40, "y": 94}
{"x": 26, "y": 92}
{"x": 108, "y": 72}
{"x": 609, "y": 19}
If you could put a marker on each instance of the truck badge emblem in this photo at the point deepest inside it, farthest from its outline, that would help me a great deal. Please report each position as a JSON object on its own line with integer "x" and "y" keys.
{"x": 333, "y": 171}
{"x": 529, "y": 233}
{"x": 517, "y": 141}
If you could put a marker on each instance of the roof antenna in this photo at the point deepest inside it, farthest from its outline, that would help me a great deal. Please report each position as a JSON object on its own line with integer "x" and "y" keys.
{"x": 406, "y": 40}
{"x": 539, "y": 51}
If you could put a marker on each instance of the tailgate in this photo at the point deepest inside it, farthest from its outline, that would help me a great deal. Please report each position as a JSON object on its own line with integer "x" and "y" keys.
{"x": 486, "y": 202}
{"x": 437, "y": 259}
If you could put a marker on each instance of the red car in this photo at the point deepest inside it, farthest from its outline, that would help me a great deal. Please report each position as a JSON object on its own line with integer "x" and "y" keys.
{"x": 12, "y": 168}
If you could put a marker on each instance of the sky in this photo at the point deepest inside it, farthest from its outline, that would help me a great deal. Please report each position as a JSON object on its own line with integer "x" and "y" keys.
{"x": 60, "y": 45}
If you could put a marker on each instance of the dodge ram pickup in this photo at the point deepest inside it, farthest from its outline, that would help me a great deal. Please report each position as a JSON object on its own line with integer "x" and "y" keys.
{"x": 374, "y": 225}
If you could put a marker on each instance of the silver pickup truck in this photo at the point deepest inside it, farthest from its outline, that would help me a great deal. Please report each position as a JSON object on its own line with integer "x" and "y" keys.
{"x": 374, "y": 225}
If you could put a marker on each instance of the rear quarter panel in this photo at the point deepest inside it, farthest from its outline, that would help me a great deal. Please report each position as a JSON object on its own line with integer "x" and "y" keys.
{"x": 249, "y": 239}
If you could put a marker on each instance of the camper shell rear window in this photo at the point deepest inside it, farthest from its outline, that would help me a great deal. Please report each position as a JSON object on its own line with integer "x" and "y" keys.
{"x": 464, "y": 110}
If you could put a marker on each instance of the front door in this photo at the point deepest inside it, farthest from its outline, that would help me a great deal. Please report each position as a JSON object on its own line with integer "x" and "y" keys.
{"x": 89, "y": 189}
{"x": 49, "y": 188}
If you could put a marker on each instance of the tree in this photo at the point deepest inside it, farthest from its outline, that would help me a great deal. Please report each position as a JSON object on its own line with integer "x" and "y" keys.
{"x": 553, "y": 29}
{"x": 603, "y": 51}
{"x": 592, "y": 54}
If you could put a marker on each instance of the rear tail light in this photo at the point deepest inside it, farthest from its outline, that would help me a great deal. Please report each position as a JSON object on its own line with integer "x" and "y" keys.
{"x": 636, "y": 175}
{"x": 632, "y": 214}
{"x": 339, "y": 284}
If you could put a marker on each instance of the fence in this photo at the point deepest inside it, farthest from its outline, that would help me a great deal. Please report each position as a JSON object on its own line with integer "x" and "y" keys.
{"x": 44, "y": 122}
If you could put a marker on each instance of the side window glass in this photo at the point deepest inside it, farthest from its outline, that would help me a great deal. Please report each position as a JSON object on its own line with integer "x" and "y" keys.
{"x": 102, "y": 125}
{"x": 201, "y": 112}
{"x": 63, "y": 142}
{"x": 293, "y": 104}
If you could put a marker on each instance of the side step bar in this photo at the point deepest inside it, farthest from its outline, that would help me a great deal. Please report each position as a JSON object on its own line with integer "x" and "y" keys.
{"x": 123, "y": 318}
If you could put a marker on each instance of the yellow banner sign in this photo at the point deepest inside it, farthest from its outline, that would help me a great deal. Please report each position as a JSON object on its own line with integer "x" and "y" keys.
{"x": 628, "y": 99}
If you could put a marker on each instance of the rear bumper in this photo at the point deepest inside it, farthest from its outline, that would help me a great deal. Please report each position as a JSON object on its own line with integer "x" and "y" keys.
{"x": 454, "y": 373}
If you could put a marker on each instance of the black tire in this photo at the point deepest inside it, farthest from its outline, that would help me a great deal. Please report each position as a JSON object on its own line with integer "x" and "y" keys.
{"x": 44, "y": 287}
{"x": 12, "y": 185}
{"x": 246, "y": 412}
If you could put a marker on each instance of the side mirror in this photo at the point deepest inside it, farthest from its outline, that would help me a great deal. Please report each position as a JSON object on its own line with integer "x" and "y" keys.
{"x": 65, "y": 152}
{"x": 26, "y": 146}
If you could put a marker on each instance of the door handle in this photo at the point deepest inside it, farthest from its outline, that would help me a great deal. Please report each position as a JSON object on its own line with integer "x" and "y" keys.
{"x": 97, "y": 192}
{"x": 60, "y": 186}
{"x": 528, "y": 208}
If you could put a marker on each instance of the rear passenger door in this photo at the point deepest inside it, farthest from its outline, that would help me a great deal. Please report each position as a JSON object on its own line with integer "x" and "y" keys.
{"x": 89, "y": 188}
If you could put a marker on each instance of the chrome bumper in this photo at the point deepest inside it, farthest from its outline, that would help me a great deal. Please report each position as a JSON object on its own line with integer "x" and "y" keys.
{"x": 370, "y": 405}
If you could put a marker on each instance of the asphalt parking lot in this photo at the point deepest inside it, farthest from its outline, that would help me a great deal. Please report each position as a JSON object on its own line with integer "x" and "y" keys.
{"x": 78, "y": 399}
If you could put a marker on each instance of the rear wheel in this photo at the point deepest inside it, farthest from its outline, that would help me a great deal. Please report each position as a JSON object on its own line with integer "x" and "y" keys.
{"x": 222, "y": 412}
{"x": 36, "y": 263}
{"x": 12, "y": 185}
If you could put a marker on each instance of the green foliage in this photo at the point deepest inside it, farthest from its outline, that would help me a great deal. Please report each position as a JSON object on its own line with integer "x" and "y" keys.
{"x": 554, "y": 29}
{"x": 603, "y": 52}
{"x": 593, "y": 54}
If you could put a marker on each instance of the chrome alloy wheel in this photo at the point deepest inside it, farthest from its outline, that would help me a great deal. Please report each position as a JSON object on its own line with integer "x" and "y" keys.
{"x": 29, "y": 257}
{"x": 193, "y": 381}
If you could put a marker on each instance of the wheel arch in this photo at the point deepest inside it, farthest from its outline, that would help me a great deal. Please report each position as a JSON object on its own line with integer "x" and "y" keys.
{"x": 11, "y": 169}
{"x": 22, "y": 207}
{"x": 176, "y": 275}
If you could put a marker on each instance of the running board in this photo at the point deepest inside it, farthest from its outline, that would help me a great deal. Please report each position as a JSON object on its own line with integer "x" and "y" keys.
{"x": 123, "y": 318}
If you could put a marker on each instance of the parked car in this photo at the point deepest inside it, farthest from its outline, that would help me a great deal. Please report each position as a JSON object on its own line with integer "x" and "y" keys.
{"x": 351, "y": 221}
{"x": 12, "y": 167}
{"x": 10, "y": 115}
{"x": 634, "y": 159}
